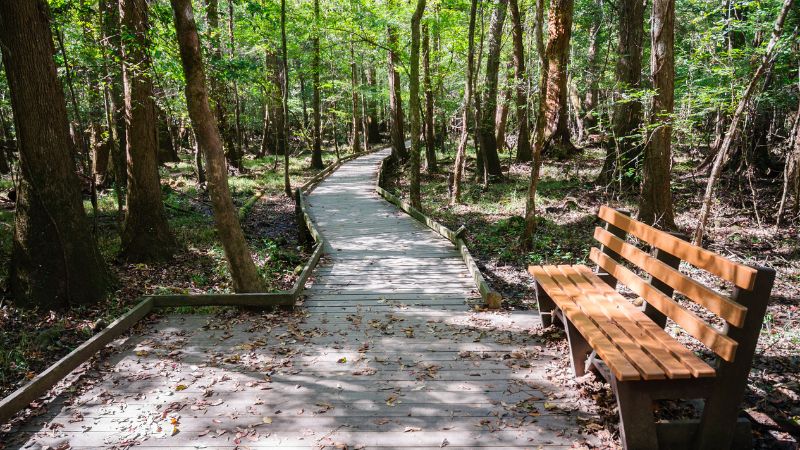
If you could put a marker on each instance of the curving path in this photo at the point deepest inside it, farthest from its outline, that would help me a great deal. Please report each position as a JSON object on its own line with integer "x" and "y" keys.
{"x": 385, "y": 351}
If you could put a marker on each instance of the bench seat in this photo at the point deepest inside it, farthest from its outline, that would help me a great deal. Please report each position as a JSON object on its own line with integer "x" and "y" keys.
{"x": 632, "y": 345}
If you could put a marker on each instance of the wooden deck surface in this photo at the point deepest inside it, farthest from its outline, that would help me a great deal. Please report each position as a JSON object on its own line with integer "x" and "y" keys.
{"x": 385, "y": 351}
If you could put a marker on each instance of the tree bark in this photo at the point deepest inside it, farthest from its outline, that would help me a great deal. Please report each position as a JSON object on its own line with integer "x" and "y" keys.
{"x": 243, "y": 270}
{"x": 316, "y": 152}
{"x": 520, "y": 84}
{"x": 623, "y": 152}
{"x": 55, "y": 261}
{"x": 766, "y": 62}
{"x": 488, "y": 138}
{"x": 557, "y": 137}
{"x": 355, "y": 140}
{"x": 501, "y": 116}
{"x": 466, "y": 118}
{"x": 430, "y": 130}
{"x": 146, "y": 235}
{"x": 414, "y": 106}
{"x": 395, "y": 99}
{"x": 373, "y": 129}
{"x": 539, "y": 133}
{"x": 237, "y": 104}
{"x": 656, "y": 201}
{"x": 287, "y": 185}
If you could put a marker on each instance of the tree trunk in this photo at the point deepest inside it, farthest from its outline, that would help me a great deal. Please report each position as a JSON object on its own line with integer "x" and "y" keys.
{"x": 521, "y": 84}
{"x": 623, "y": 152}
{"x": 430, "y": 130}
{"x": 557, "y": 137}
{"x": 316, "y": 152}
{"x": 539, "y": 139}
{"x": 146, "y": 235}
{"x": 54, "y": 259}
{"x": 243, "y": 270}
{"x": 287, "y": 185}
{"x": 219, "y": 90}
{"x": 115, "y": 119}
{"x": 395, "y": 99}
{"x": 373, "y": 129}
{"x": 766, "y": 62}
{"x": 237, "y": 104}
{"x": 593, "y": 70}
{"x": 414, "y": 106}
{"x": 656, "y": 202}
{"x": 501, "y": 116}
{"x": 488, "y": 138}
{"x": 355, "y": 141}
{"x": 275, "y": 103}
{"x": 466, "y": 118}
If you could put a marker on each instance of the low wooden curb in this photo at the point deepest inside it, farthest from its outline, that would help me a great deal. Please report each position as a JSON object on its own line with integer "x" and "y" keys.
{"x": 492, "y": 299}
{"x": 42, "y": 383}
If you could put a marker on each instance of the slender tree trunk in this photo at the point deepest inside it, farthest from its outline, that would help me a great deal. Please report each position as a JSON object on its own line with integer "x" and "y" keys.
{"x": 373, "y": 130}
{"x": 520, "y": 84}
{"x": 656, "y": 201}
{"x": 243, "y": 270}
{"x": 430, "y": 130}
{"x": 355, "y": 141}
{"x": 488, "y": 138}
{"x": 766, "y": 62}
{"x": 414, "y": 106}
{"x": 287, "y": 185}
{"x": 237, "y": 104}
{"x": 198, "y": 162}
{"x": 54, "y": 258}
{"x": 395, "y": 99}
{"x": 557, "y": 137}
{"x": 593, "y": 76}
{"x": 115, "y": 119}
{"x": 539, "y": 133}
{"x": 623, "y": 152}
{"x": 466, "y": 118}
{"x": 316, "y": 152}
{"x": 146, "y": 235}
{"x": 219, "y": 90}
{"x": 501, "y": 116}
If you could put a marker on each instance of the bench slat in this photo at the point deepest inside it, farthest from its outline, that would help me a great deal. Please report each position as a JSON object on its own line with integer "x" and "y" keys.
{"x": 622, "y": 369}
{"x": 611, "y": 305}
{"x": 738, "y": 274}
{"x": 721, "y": 344}
{"x": 697, "y": 367}
{"x": 648, "y": 368}
{"x": 720, "y": 305}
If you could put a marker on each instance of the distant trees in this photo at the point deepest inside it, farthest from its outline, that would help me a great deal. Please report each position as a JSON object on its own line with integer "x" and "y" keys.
{"x": 414, "y": 104}
{"x": 397, "y": 119}
{"x": 55, "y": 261}
{"x": 488, "y": 159}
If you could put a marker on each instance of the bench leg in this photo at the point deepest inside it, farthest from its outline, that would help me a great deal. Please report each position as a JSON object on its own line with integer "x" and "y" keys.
{"x": 546, "y": 306}
{"x": 637, "y": 427}
{"x": 578, "y": 347}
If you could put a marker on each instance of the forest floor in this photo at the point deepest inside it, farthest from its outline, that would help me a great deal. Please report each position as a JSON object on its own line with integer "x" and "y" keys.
{"x": 568, "y": 201}
{"x": 31, "y": 340}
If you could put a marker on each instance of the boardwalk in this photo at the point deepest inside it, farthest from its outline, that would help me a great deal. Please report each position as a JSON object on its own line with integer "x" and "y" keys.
{"x": 384, "y": 352}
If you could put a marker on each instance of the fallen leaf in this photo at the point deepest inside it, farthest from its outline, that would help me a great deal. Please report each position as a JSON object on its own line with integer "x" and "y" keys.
{"x": 267, "y": 420}
{"x": 181, "y": 387}
{"x": 412, "y": 429}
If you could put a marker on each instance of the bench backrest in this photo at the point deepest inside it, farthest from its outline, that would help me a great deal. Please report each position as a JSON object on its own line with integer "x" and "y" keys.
{"x": 733, "y": 309}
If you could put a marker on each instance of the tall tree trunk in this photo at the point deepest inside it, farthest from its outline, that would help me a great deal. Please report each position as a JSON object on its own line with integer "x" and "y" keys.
{"x": 766, "y": 62}
{"x": 430, "y": 130}
{"x": 593, "y": 70}
{"x": 115, "y": 119}
{"x": 414, "y": 106}
{"x": 395, "y": 98}
{"x": 539, "y": 133}
{"x": 54, "y": 259}
{"x": 466, "y": 118}
{"x": 219, "y": 90}
{"x": 237, "y": 104}
{"x": 501, "y": 116}
{"x": 287, "y": 185}
{"x": 623, "y": 152}
{"x": 316, "y": 152}
{"x": 243, "y": 270}
{"x": 373, "y": 129}
{"x": 355, "y": 141}
{"x": 656, "y": 202}
{"x": 557, "y": 137}
{"x": 521, "y": 84}
{"x": 275, "y": 103}
{"x": 488, "y": 138}
{"x": 146, "y": 235}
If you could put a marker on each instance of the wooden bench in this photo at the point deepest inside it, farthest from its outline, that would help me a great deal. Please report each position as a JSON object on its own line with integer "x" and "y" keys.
{"x": 629, "y": 347}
